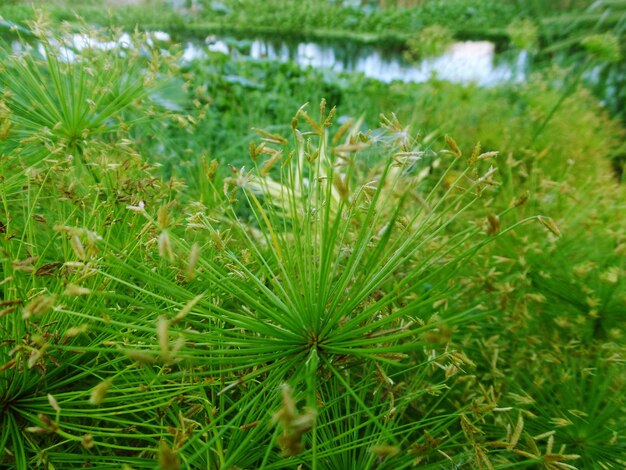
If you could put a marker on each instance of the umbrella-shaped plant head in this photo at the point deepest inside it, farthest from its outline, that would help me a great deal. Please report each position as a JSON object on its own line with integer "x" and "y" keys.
{"x": 296, "y": 314}
{"x": 310, "y": 295}
{"x": 81, "y": 94}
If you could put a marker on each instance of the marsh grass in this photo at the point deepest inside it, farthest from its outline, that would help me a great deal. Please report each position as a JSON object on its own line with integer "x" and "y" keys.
{"x": 322, "y": 275}
{"x": 556, "y": 298}
{"x": 138, "y": 335}
{"x": 339, "y": 298}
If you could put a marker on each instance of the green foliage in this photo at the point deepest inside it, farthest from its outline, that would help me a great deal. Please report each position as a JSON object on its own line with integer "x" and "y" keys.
{"x": 523, "y": 34}
{"x": 431, "y": 41}
{"x": 329, "y": 284}
{"x": 326, "y": 296}
{"x": 463, "y": 17}
{"x": 136, "y": 334}
{"x": 233, "y": 96}
{"x": 605, "y": 47}
{"x": 466, "y": 18}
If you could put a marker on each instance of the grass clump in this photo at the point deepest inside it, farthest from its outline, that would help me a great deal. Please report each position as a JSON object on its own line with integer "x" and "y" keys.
{"x": 292, "y": 314}
{"x": 326, "y": 296}
{"x": 313, "y": 275}
{"x": 431, "y": 41}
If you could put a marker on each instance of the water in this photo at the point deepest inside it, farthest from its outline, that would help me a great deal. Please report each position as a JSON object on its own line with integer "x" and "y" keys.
{"x": 464, "y": 62}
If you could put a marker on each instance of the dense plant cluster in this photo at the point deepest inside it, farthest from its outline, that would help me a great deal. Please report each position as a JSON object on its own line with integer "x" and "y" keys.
{"x": 196, "y": 271}
{"x": 296, "y": 17}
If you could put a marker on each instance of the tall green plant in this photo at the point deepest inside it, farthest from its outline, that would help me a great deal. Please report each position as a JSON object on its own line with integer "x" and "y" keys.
{"x": 70, "y": 95}
{"x": 58, "y": 383}
{"x": 314, "y": 276}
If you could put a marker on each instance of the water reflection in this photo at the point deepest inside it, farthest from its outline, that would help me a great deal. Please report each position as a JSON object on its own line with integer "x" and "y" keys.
{"x": 464, "y": 62}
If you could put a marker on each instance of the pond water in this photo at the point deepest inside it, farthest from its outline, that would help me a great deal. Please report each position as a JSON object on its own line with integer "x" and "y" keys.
{"x": 463, "y": 62}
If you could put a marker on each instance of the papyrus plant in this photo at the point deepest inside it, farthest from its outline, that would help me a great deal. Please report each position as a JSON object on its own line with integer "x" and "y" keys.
{"x": 310, "y": 294}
